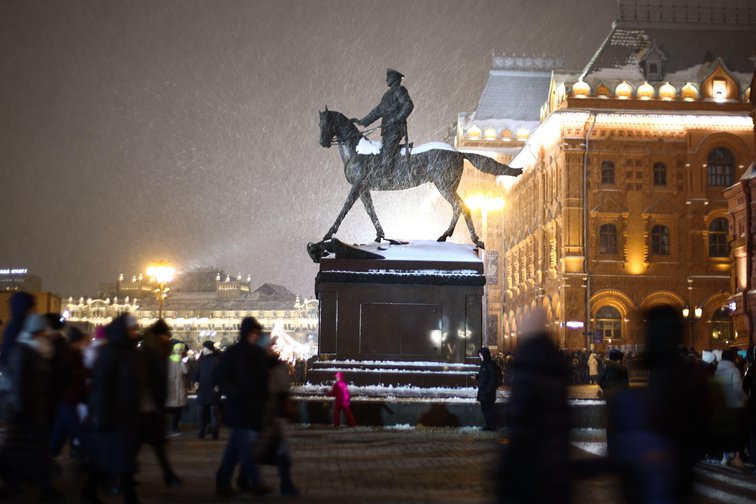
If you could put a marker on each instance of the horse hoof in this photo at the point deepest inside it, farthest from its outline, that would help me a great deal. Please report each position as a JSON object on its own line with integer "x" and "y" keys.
{"x": 379, "y": 238}
{"x": 480, "y": 245}
{"x": 442, "y": 238}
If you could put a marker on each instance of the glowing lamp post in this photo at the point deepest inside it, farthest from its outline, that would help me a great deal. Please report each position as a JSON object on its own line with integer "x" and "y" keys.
{"x": 162, "y": 274}
{"x": 692, "y": 318}
{"x": 485, "y": 203}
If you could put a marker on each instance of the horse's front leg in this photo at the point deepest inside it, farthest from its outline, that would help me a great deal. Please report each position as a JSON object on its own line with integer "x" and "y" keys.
{"x": 355, "y": 193}
{"x": 367, "y": 201}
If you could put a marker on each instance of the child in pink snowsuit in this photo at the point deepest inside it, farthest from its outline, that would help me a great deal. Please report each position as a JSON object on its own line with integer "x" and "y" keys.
{"x": 340, "y": 394}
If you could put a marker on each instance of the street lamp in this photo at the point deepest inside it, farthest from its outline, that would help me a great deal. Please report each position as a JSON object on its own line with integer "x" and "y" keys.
{"x": 162, "y": 274}
{"x": 485, "y": 203}
{"x": 692, "y": 318}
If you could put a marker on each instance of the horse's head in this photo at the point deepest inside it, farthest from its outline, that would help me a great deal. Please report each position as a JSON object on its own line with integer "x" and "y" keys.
{"x": 327, "y": 128}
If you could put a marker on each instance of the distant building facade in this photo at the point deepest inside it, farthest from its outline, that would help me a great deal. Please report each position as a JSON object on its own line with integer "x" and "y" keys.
{"x": 621, "y": 203}
{"x": 202, "y": 305}
{"x": 19, "y": 279}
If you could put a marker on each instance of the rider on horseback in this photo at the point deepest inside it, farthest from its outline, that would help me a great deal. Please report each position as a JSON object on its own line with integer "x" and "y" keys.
{"x": 393, "y": 110}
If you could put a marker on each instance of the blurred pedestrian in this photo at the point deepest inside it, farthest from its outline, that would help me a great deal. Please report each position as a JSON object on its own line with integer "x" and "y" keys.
{"x": 593, "y": 368}
{"x": 274, "y": 445}
{"x": 242, "y": 376}
{"x": 749, "y": 387}
{"x": 20, "y": 305}
{"x": 208, "y": 398}
{"x": 26, "y": 454}
{"x": 728, "y": 377}
{"x": 534, "y": 465}
{"x": 488, "y": 382}
{"x": 613, "y": 377}
{"x": 68, "y": 422}
{"x": 156, "y": 347}
{"x": 341, "y": 401}
{"x": 177, "y": 385}
{"x": 117, "y": 391}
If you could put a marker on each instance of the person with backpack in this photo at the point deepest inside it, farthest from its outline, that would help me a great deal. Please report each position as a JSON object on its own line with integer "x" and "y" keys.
{"x": 489, "y": 379}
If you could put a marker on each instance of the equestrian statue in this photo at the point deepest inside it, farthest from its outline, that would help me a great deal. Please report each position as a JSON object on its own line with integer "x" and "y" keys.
{"x": 390, "y": 165}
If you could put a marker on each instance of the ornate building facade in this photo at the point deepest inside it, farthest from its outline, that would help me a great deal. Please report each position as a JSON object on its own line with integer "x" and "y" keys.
{"x": 201, "y": 305}
{"x": 620, "y": 206}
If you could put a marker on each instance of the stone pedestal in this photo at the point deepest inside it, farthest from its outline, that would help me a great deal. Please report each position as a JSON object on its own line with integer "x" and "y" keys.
{"x": 421, "y": 302}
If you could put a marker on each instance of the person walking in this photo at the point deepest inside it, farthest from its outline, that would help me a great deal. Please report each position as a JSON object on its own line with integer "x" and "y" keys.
{"x": 242, "y": 376}
{"x": 613, "y": 377}
{"x": 593, "y": 368}
{"x": 728, "y": 377}
{"x": 177, "y": 380}
{"x": 488, "y": 382}
{"x": 115, "y": 410}
{"x": 208, "y": 399}
{"x": 341, "y": 401}
{"x": 154, "y": 354}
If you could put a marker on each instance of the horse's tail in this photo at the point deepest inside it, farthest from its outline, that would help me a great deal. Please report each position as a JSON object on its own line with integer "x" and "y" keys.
{"x": 490, "y": 166}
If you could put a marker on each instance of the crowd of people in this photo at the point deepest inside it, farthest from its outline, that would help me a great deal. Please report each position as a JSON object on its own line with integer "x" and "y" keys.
{"x": 105, "y": 397}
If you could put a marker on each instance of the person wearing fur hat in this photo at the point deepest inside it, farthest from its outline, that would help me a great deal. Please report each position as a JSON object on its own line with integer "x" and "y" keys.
{"x": 208, "y": 398}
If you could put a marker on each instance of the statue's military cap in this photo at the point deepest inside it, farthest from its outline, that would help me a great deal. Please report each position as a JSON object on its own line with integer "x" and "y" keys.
{"x": 394, "y": 73}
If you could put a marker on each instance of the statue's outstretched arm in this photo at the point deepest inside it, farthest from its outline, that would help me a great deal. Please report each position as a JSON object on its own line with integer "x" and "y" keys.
{"x": 374, "y": 115}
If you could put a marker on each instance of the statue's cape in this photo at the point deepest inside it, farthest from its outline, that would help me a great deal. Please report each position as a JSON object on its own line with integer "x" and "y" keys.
{"x": 373, "y": 148}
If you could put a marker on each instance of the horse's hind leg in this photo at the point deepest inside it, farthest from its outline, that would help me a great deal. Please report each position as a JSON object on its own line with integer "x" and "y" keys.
{"x": 367, "y": 201}
{"x": 357, "y": 189}
{"x": 459, "y": 207}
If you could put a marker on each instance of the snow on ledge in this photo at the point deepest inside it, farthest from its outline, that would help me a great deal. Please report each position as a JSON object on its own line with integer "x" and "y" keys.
{"x": 373, "y": 148}
{"x": 419, "y": 272}
{"x": 397, "y": 363}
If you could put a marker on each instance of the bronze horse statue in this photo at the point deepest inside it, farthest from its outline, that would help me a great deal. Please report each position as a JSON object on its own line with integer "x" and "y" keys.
{"x": 438, "y": 163}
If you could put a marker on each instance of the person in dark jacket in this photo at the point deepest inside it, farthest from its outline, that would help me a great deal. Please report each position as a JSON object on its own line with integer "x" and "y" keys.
{"x": 21, "y": 304}
{"x": 67, "y": 422}
{"x": 614, "y": 375}
{"x": 487, "y": 384}
{"x": 26, "y": 457}
{"x": 208, "y": 399}
{"x": 534, "y": 466}
{"x": 242, "y": 376}
{"x": 156, "y": 347}
{"x": 117, "y": 390}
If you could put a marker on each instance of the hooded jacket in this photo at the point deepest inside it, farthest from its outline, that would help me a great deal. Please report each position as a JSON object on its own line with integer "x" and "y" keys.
{"x": 340, "y": 390}
{"x": 20, "y": 304}
{"x": 728, "y": 377}
{"x": 487, "y": 377}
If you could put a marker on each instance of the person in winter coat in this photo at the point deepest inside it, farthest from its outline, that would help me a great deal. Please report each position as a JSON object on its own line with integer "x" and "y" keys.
{"x": 208, "y": 399}
{"x": 117, "y": 391}
{"x": 613, "y": 377}
{"x": 20, "y": 305}
{"x": 242, "y": 376}
{"x": 728, "y": 377}
{"x": 534, "y": 464}
{"x": 153, "y": 355}
{"x": 67, "y": 422}
{"x": 32, "y": 401}
{"x": 341, "y": 401}
{"x": 593, "y": 368}
{"x": 177, "y": 381}
{"x": 488, "y": 382}
{"x": 749, "y": 387}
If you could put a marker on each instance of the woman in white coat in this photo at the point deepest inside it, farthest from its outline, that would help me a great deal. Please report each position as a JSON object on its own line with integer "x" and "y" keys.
{"x": 177, "y": 385}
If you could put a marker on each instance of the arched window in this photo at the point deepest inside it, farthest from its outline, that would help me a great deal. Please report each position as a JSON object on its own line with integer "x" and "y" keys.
{"x": 718, "y": 243}
{"x": 721, "y": 325}
{"x": 607, "y": 173}
{"x": 721, "y": 167}
{"x": 660, "y": 240}
{"x": 608, "y": 239}
{"x": 609, "y": 322}
{"x": 660, "y": 174}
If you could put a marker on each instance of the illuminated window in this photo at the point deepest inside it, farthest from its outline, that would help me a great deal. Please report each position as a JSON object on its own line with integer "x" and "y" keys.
{"x": 721, "y": 168}
{"x": 721, "y": 325}
{"x": 719, "y": 89}
{"x": 608, "y": 239}
{"x": 689, "y": 92}
{"x": 718, "y": 244}
{"x": 607, "y": 173}
{"x": 490, "y": 134}
{"x": 667, "y": 92}
{"x": 623, "y": 91}
{"x": 645, "y": 91}
{"x": 660, "y": 240}
{"x": 474, "y": 133}
{"x": 609, "y": 322}
{"x": 660, "y": 174}
{"x": 581, "y": 89}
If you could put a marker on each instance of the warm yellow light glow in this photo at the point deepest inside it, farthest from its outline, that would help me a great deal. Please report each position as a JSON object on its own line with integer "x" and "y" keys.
{"x": 645, "y": 91}
{"x": 623, "y": 91}
{"x": 484, "y": 202}
{"x": 719, "y": 89}
{"x": 506, "y": 135}
{"x": 689, "y": 92}
{"x": 474, "y": 133}
{"x": 581, "y": 89}
{"x": 162, "y": 273}
{"x": 667, "y": 92}
{"x": 490, "y": 134}
{"x": 523, "y": 134}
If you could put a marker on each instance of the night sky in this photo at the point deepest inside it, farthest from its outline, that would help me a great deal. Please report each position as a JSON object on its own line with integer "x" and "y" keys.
{"x": 188, "y": 130}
